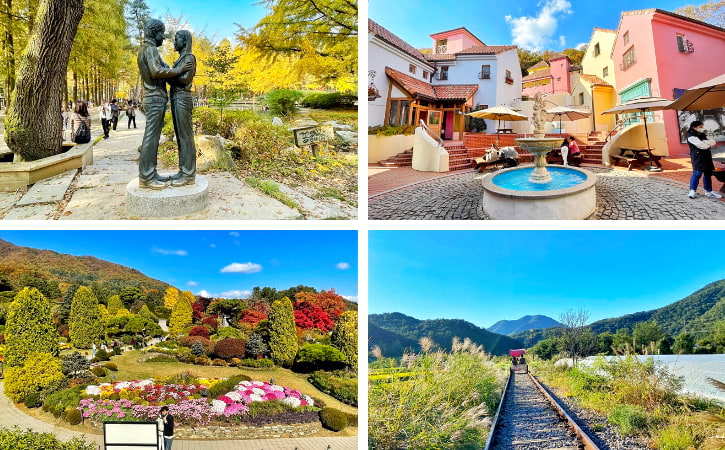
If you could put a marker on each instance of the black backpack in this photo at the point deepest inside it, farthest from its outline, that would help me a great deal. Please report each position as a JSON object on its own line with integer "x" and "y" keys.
{"x": 82, "y": 134}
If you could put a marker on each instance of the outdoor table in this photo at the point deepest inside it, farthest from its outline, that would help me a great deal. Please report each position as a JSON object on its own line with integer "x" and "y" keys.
{"x": 718, "y": 154}
{"x": 505, "y": 131}
{"x": 640, "y": 155}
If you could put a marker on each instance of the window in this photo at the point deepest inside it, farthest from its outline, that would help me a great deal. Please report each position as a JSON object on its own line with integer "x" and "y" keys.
{"x": 425, "y": 75}
{"x": 581, "y": 98}
{"x": 485, "y": 72}
{"x": 605, "y": 72}
{"x": 442, "y": 46}
{"x": 443, "y": 74}
{"x": 626, "y": 38}
{"x": 411, "y": 68}
{"x": 597, "y": 51}
{"x": 398, "y": 112}
{"x": 509, "y": 79}
{"x": 629, "y": 58}
{"x": 683, "y": 45}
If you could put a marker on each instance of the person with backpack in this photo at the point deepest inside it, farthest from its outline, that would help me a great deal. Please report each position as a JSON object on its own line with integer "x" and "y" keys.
{"x": 131, "y": 114}
{"x": 80, "y": 123}
{"x": 115, "y": 112}
{"x": 105, "y": 112}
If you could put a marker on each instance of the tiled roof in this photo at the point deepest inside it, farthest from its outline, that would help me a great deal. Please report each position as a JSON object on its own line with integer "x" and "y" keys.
{"x": 557, "y": 56}
{"x": 486, "y": 49}
{"x": 464, "y": 29}
{"x": 384, "y": 34}
{"x": 419, "y": 88}
{"x": 593, "y": 79}
{"x": 604, "y": 30}
{"x": 539, "y": 65}
{"x": 441, "y": 57}
{"x": 543, "y": 73}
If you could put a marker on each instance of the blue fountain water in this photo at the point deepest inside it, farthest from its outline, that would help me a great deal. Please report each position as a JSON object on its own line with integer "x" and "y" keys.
{"x": 518, "y": 180}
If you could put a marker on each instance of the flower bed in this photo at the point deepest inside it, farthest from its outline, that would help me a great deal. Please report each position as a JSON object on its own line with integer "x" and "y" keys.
{"x": 142, "y": 400}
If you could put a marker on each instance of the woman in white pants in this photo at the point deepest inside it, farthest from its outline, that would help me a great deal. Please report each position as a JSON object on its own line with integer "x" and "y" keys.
{"x": 565, "y": 152}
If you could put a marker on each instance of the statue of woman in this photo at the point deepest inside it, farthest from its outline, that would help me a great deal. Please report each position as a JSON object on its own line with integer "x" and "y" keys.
{"x": 181, "y": 105}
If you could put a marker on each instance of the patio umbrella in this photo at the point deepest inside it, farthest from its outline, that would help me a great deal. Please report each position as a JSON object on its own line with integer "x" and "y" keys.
{"x": 643, "y": 105}
{"x": 498, "y": 113}
{"x": 707, "y": 95}
{"x": 568, "y": 112}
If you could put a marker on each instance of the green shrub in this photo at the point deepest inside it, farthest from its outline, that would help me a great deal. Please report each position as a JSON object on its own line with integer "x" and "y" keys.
{"x": 282, "y": 101}
{"x": 161, "y": 359}
{"x": 16, "y": 439}
{"x": 225, "y": 386}
{"x": 351, "y": 419}
{"x": 630, "y": 419}
{"x": 40, "y": 372}
{"x": 339, "y": 384}
{"x": 313, "y": 357}
{"x": 228, "y": 332}
{"x": 33, "y": 400}
{"x": 57, "y": 402}
{"x": 268, "y": 408}
{"x": 333, "y": 419}
{"x": 328, "y": 100}
{"x": 101, "y": 355}
{"x": 74, "y": 417}
{"x": 260, "y": 140}
{"x": 392, "y": 130}
{"x": 676, "y": 437}
{"x": 265, "y": 363}
{"x": 117, "y": 351}
{"x": 85, "y": 324}
{"x": 98, "y": 371}
{"x": 29, "y": 328}
{"x": 111, "y": 366}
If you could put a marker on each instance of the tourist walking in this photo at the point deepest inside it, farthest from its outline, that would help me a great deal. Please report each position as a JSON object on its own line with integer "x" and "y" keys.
{"x": 80, "y": 123}
{"x": 168, "y": 425}
{"x": 131, "y": 114}
{"x": 701, "y": 157}
{"x": 574, "y": 151}
{"x": 115, "y": 112}
{"x": 105, "y": 111}
{"x": 565, "y": 152}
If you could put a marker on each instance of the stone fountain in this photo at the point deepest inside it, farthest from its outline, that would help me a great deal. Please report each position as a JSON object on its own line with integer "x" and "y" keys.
{"x": 539, "y": 193}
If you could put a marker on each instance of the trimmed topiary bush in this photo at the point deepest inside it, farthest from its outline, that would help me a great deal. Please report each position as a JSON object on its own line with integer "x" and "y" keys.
{"x": 32, "y": 400}
{"x": 85, "y": 319}
{"x": 333, "y": 419}
{"x": 257, "y": 363}
{"x": 282, "y": 102}
{"x": 189, "y": 341}
{"x": 339, "y": 384}
{"x": 227, "y": 385}
{"x": 29, "y": 328}
{"x": 199, "y": 330}
{"x": 282, "y": 332}
{"x": 111, "y": 366}
{"x": 319, "y": 357}
{"x": 219, "y": 362}
{"x": 98, "y": 371}
{"x": 230, "y": 348}
{"x": 41, "y": 371}
{"x": 74, "y": 417}
{"x": 102, "y": 355}
{"x": 16, "y": 439}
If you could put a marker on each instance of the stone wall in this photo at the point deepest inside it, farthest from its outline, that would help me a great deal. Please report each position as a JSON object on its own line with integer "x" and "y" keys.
{"x": 243, "y": 431}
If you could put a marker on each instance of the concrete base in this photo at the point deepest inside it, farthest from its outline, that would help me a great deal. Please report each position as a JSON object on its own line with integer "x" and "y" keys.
{"x": 168, "y": 202}
{"x": 577, "y": 202}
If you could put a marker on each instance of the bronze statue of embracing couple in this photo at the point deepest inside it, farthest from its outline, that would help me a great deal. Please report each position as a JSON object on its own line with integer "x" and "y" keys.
{"x": 155, "y": 74}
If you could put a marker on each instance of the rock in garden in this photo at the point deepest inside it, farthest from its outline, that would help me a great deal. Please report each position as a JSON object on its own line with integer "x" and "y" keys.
{"x": 277, "y": 121}
{"x": 349, "y": 137}
{"x": 211, "y": 154}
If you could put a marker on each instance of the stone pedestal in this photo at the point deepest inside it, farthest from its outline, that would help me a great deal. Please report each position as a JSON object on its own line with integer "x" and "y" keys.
{"x": 168, "y": 202}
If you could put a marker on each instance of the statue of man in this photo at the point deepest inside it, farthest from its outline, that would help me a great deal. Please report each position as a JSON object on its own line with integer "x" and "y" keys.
{"x": 154, "y": 72}
{"x": 182, "y": 104}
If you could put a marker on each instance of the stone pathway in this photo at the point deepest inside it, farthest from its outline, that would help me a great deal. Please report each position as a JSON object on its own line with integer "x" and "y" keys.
{"x": 620, "y": 195}
{"x": 99, "y": 191}
{"x": 10, "y": 415}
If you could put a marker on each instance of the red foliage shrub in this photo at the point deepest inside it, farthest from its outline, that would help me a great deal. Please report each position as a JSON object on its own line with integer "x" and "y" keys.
{"x": 188, "y": 341}
{"x": 329, "y": 301}
{"x": 197, "y": 310}
{"x": 211, "y": 321}
{"x": 252, "y": 317}
{"x": 260, "y": 306}
{"x": 309, "y": 315}
{"x": 230, "y": 348}
{"x": 200, "y": 330}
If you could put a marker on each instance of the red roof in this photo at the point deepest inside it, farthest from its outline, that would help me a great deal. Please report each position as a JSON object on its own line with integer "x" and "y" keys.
{"x": 593, "y": 79}
{"x": 461, "y": 29}
{"x": 419, "y": 88}
{"x": 486, "y": 49}
{"x": 384, "y": 34}
{"x": 441, "y": 57}
{"x": 543, "y": 73}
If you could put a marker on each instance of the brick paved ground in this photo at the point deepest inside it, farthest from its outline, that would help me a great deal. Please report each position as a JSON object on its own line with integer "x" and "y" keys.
{"x": 10, "y": 415}
{"x": 621, "y": 194}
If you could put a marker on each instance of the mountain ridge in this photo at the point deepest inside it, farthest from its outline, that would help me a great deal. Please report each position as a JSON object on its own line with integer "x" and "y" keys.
{"x": 527, "y": 322}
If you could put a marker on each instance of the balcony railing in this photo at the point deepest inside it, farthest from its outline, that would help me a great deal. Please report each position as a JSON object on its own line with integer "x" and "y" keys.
{"x": 441, "y": 76}
{"x": 484, "y": 75}
{"x": 442, "y": 50}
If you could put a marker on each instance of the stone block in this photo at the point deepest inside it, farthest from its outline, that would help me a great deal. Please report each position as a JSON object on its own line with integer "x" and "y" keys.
{"x": 168, "y": 202}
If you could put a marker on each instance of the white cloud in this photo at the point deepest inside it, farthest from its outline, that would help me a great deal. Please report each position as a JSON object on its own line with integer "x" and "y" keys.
{"x": 248, "y": 267}
{"x": 581, "y": 45}
{"x": 351, "y": 298}
{"x": 235, "y": 294}
{"x": 562, "y": 41}
{"x": 234, "y": 233}
{"x": 205, "y": 293}
{"x": 343, "y": 266}
{"x": 192, "y": 283}
{"x": 536, "y": 33}
{"x": 164, "y": 251}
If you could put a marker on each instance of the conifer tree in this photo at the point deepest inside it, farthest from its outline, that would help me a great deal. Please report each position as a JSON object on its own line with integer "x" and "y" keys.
{"x": 29, "y": 328}
{"x": 344, "y": 337}
{"x": 181, "y": 316}
{"x": 282, "y": 333}
{"x": 85, "y": 325}
{"x": 114, "y": 304}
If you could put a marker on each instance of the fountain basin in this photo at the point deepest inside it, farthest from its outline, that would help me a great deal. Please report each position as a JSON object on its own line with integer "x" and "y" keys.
{"x": 570, "y": 195}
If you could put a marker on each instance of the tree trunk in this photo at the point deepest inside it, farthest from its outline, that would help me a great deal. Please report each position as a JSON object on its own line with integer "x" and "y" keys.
{"x": 75, "y": 86}
{"x": 9, "y": 50}
{"x": 33, "y": 125}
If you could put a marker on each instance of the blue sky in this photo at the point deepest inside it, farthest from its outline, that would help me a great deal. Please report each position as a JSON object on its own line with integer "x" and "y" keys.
{"x": 532, "y": 24}
{"x": 221, "y": 263}
{"x": 486, "y": 276}
{"x": 216, "y": 18}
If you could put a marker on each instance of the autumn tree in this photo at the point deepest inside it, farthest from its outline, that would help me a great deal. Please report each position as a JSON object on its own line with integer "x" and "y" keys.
{"x": 308, "y": 315}
{"x": 282, "y": 335}
{"x": 171, "y": 297}
{"x": 181, "y": 316}
{"x": 29, "y": 327}
{"x": 576, "y": 339}
{"x": 344, "y": 337}
{"x": 32, "y": 123}
{"x": 114, "y": 304}
{"x": 226, "y": 88}
{"x": 330, "y": 301}
{"x": 85, "y": 319}
{"x": 712, "y": 12}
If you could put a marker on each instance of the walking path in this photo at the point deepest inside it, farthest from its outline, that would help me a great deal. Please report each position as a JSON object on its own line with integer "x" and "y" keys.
{"x": 10, "y": 415}
{"x": 98, "y": 191}
{"x": 621, "y": 194}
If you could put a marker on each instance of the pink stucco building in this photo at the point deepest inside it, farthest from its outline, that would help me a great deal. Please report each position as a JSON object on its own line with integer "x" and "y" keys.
{"x": 558, "y": 75}
{"x": 657, "y": 52}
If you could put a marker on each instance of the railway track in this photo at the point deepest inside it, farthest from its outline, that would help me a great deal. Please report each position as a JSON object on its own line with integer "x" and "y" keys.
{"x": 529, "y": 418}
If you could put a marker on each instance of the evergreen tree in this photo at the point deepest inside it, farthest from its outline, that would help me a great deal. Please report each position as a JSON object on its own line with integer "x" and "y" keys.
{"x": 129, "y": 295}
{"x": 684, "y": 344}
{"x": 146, "y": 313}
{"x": 29, "y": 328}
{"x": 256, "y": 345}
{"x": 181, "y": 316}
{"x": 114, "y": 304}
{"x": 85, "y": 319}
{"x": 282, "y": 333}
{"x": 171, "y": 297}
{"x": 344, "y": 337}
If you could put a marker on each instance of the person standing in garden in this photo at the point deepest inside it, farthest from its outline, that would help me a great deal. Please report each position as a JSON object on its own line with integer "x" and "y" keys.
{"x": 701, "y": 157}
{"x": 168, "y": 422}
{"x": 131, "y": 114}
{"x": 115, "y": 112}
{"x": 105, "y": 111}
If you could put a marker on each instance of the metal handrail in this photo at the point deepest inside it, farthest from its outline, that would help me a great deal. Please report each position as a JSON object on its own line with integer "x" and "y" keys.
{"x": 431, "y": 133}
{"x": 618, "y": 126}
